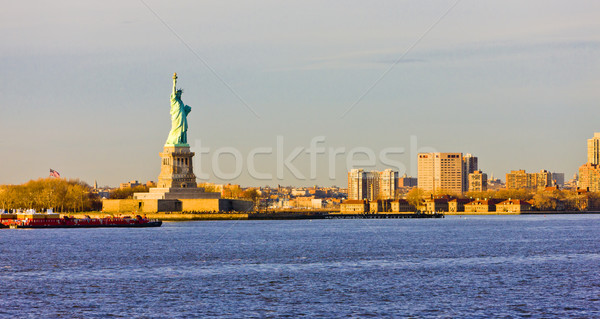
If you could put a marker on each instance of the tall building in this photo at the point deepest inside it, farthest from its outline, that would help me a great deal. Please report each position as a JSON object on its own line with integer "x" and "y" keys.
{"x": 440, "y": 171}
{"x": 522, "y": 180}
{"x": 469, "y": 166}
{"x": 589, "y": 177}
{"x": 357, "y": 184}
{"x": 477, "y": 181}
{"x": 406, "y": 181}
{"x": 372, "y": 185}
{"x": 372, "y": 180}
{"x": 388, "y": 183}
{"x": 593, "y": 149}
{"x": 543, "y": 179}
{"x": 558, "y": 179}
{"x": 589, "y": 173}
{"x": 517, "y": 179}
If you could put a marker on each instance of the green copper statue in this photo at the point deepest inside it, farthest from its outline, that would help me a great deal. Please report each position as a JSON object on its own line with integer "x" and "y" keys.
{"x": 179, "y": 112}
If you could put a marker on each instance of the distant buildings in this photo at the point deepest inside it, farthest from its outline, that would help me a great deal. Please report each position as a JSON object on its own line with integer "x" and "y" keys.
{"x": 572, "y": 183}
{"x": 440, "y": 171}
{"x": 469, "y": 166}
{"x": 558, "y": 179}
{"x": 589, "y": 173}
{"x": 301, "y": 197}
{"x": 129, "y": 184}
{"x": 405, "y": 181}
{"x": 593, "y": 149}
{"x": 589, "y": 177}
{"x": 388, "y": 182}
{"x": 520, "y": 179}
{"x": 357, "y": 184}
{"x": 135, "y": 183}
{"x": 445, "y": 171}
{"x": 477, "y": 181}
{"x": 372, "y": 185}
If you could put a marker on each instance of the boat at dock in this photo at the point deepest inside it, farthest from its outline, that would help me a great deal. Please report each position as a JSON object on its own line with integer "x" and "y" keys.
{"x": 53, "y": 220}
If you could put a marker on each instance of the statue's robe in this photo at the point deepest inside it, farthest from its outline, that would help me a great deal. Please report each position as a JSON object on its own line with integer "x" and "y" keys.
{"x": 179, "y": 125}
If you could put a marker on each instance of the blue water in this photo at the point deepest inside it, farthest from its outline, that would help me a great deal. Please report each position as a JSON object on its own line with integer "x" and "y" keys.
{"x": 490, "y": 266}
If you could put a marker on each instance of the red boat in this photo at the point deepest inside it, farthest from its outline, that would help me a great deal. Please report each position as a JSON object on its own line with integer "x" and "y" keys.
{"x": 54, "y": 220}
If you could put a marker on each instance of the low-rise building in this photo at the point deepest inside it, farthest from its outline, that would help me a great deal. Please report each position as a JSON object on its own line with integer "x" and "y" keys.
{"x": 402, "y": 205}
{"x": 129, "y": 184}
{"x": 457, "y": 205}
{"x": 354, "y": 206}
{"x": 380, "y": 206}
{"x": 437, "y": 204}
{"x": 481, "y": 206}
{"x": 513, "y": 205}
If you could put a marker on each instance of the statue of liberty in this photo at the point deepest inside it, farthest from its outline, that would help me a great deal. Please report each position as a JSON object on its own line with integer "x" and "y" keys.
{"x": 179, "y": 112}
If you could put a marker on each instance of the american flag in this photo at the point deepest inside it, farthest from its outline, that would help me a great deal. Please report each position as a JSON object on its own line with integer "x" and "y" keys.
{"x": 54, "y": 173}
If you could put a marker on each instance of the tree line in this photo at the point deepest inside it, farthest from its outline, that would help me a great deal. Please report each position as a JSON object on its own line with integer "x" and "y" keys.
{"x": 555, "y": 199}
{"x": 62, "y": 195}
{"x": 74, "y": 195}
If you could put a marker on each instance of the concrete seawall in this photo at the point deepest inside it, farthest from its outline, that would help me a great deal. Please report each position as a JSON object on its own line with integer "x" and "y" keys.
{"x": 177, "y": 216}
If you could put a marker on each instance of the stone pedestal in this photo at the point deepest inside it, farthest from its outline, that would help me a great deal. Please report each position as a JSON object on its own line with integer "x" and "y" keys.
{"x": 176, "y": 179}
{"x": 176, "y": 169}
{"x": 177, "y": 193}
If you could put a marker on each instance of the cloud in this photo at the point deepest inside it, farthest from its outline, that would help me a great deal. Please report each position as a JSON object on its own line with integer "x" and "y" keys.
{"x": 350, "y": 60}
{"x": 369, "y": 59}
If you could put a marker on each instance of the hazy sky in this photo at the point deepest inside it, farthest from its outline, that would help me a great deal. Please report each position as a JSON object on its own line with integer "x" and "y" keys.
{"x": 84, "y": 85}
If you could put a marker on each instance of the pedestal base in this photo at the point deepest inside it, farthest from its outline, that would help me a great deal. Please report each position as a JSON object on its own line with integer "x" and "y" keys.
{"x": 176, "y": 193}
{"x": 176, "y": 170}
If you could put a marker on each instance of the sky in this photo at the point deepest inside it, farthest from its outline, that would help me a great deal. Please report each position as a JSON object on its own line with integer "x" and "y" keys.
{"x": 295, "y": 92}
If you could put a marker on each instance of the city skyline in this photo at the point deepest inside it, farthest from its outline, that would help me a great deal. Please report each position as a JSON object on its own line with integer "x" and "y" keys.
{"x": 85, "y": 89}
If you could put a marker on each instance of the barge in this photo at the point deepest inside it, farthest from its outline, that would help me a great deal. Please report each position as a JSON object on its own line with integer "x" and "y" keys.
{"x": 53, "y": 220}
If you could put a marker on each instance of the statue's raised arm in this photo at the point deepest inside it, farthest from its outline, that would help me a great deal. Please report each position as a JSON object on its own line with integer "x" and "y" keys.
{"x": 174, "y": 83}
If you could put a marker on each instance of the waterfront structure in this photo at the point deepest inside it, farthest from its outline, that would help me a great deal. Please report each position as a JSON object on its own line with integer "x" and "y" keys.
{"x": 372, "y": 185}
{"x": 437, "y": 204}
{"x": 354, "y": 206}
{"x": 457, "y": 204}
{"x": 481, "y": 206}
{"x": 402, "y": 205}
{"x": 379, "y": 206}
{"x": 309, "y": 202}
{"x": 513, "y": 205}
{"x": 441, "y": 171}
{"x": 477, "y": 181}
{"x": 376, "y": 206}
{"x": 520, "y": 179}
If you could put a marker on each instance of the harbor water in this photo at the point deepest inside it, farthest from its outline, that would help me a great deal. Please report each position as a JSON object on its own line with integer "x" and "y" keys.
{"x": 476, "y": 267}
